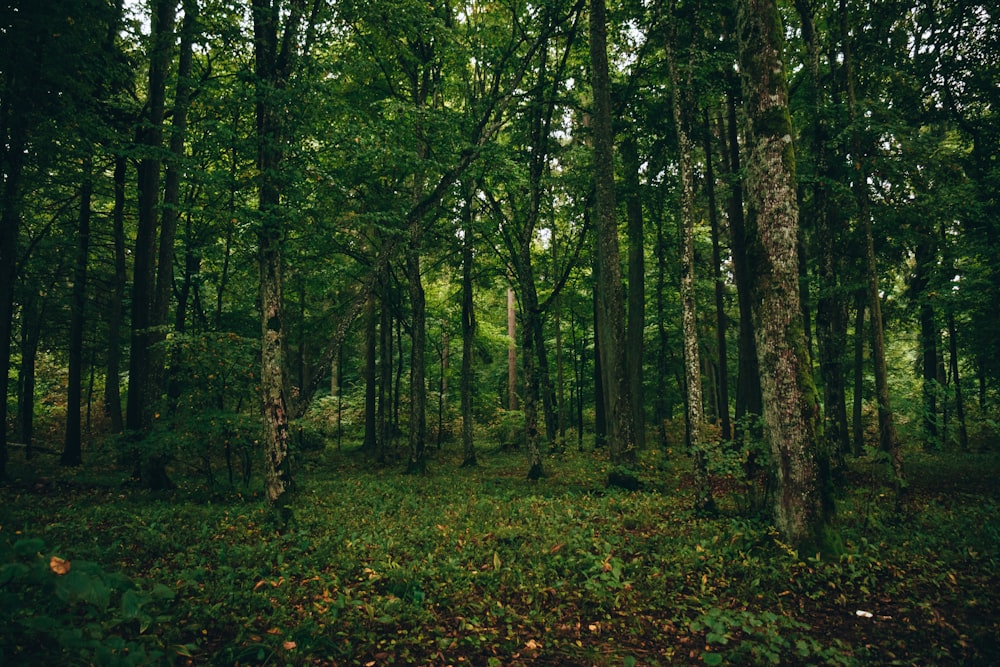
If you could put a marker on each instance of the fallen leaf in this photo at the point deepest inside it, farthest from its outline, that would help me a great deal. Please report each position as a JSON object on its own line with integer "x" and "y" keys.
{"x": 288, "y": 646}
{"x": 59, "y": 566}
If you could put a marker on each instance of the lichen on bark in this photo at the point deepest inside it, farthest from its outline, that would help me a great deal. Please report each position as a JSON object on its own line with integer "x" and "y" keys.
{"x": 789, "y": 393}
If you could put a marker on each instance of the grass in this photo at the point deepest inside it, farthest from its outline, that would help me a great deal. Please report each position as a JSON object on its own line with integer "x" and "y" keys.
{"x": 482, "y": 567}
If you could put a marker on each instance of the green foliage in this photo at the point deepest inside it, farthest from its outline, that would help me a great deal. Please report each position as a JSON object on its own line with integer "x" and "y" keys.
{"x": 74, "y": 612}
{"x": 483, "y": 565}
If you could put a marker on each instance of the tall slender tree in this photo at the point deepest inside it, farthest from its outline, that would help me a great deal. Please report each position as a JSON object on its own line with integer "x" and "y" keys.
{"x": 610, "y": 290}
{"x": 689, "y": 312}
{"x": 888, "y": 438}
{"x": 150, "y": 467}
{"x": 281, "y": 31}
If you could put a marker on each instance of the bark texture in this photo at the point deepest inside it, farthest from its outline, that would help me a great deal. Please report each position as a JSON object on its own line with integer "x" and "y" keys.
{"x": 888, "y": 439}
{"x": 789, "y": 395}
{"x": 273, "y": 65}
{"x": 610, "y": 291}
{"x": 689, "y": 309}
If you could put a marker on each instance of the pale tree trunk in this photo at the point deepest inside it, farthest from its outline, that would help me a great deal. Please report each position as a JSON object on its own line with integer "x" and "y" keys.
{"x": 511, "y": 350}
{"x": 888, "y": 439}
{"x": 689, "y": 311}
{"x": 611, "y": 292}
{"x": 722, "y": 390}
{"x": 112, "y": 382}
{"x": 789, "y": 395}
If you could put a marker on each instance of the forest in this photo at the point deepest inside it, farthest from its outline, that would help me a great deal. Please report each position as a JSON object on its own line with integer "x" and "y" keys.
{"x": 497, "y": 332}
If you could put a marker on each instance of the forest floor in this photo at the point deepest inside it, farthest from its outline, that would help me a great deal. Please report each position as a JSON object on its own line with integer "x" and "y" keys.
{"x": 479, "y": 566}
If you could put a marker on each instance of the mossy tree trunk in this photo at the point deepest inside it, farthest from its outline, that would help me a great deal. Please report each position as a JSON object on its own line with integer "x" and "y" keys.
{"x": 789, "y": 394}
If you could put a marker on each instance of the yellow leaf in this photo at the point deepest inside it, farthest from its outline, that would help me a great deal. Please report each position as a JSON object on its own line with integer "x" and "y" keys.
{"x": 496, "y": 560}
{"x": 59, "y": 566}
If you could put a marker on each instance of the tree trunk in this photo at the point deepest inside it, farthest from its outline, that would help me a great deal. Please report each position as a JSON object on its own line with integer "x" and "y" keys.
{"x": 689, "y": 313}
{"x": 511, "y": 350}
{"x": 273, "y": 67}
{"x": 748, "y": 391}
{"x": 10, "y": 222}
{"x": 383, "y": 414}
{"x": 888, "y": 439}
{"x": 636, "y": 330}
{"x": 530, "y": 397}
{"x": 790, "y": 403}
{"x": 831, "y": 311}
{"x": 722, "y": 385}
{"x": 418, "y": 388}
{"x": 662, "y": 407}
{"x": 370, "y": 375}
{"x": 858, "y": 436}
{"x": 923, "y": 258}
{"x": 468, "y": 332}
{"x": 142, "y": 384}
{"x": 443, "y": 387}
{"x": 112, "y": 381}
{"x": 560, "y": 442}
{"x": 611, "y": 297}
{"x": 32, "y": 315}
{"x": 171, "y": 203}
{"x": 72, "y": 448}
{"x": 963, "y": 433}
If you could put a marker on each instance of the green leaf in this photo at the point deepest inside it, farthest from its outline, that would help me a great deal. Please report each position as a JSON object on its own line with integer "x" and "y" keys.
{"x": 161, "y": 592}
{"x": 28, "y": 546}
{"x": 712, "y": 658}
{"x": 131, "y": 604}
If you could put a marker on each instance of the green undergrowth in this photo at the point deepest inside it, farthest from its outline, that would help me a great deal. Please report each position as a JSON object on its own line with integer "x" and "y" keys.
{"x": 483, "y": 567}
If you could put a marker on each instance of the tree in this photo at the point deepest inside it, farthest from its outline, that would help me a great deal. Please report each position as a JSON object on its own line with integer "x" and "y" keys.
{"x": 279, "y": 34}
{"x": 888, "y": 439}
{"x": 790, "y": 403}
{"x": 689, "y": 311}
{"x": 142, "y": 387}
{"x": 610, "y": 291}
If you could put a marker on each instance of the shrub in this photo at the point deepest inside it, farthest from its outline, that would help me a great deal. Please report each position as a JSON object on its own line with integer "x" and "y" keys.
{"x": 55, "y": 611}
